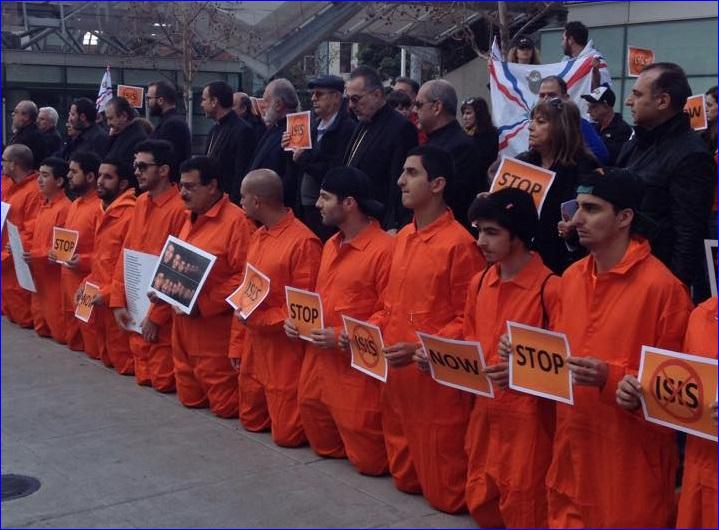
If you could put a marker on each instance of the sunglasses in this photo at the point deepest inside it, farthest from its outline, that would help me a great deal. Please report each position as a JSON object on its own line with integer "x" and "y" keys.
{"x": 142, "y": 166}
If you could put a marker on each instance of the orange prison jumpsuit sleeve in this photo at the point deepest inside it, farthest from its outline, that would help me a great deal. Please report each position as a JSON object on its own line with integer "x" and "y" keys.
{"x": 425, "y": 423}
{"x": 24, "y": 199}
{"x": 597, "y": 478}
{"x": 698, "y": 496}
{"x": 509, "y": 438}
{"x": 203, "y": 371}
{"x": 112, "y": 341}
{"x": 289, "y": 253}
{"x": 83, "y": 216}
{"x": 339, "y": 405}
{"x": 47, "y": 314}
{"x": 153, "y": 220}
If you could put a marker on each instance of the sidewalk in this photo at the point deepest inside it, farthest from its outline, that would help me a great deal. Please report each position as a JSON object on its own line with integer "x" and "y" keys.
{"x": 109, "y": 453}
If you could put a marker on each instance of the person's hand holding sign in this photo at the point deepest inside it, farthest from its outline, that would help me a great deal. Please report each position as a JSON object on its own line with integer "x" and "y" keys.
{"x": 504, "y": 348}
{"x": 588, "y": 371}
{"x": 629, "y": 393}
{"x": 290, "y": 329}
{"x": 400, "y": 354}
{"x": 73, "y": 262}
{"x": 420, "y": 357}
{"x": 324, "y": 338}
{"x": 499, "y": 374}
{"x": 344, "y": 340}
{"x": 238, "y": 314}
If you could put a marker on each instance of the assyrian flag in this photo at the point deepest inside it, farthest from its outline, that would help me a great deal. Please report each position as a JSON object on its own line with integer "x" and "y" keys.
{"x": 514, "y": 88}
{"x": 105, "y": 93}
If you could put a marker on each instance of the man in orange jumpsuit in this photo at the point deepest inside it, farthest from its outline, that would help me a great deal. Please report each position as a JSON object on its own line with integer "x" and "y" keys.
{"x": 433, "y": 262}
{"x": 611, "y": 303}
{"x": 289, "y": 253}
{"x": 340, "y": 406}
{"x": 21, "y": 192}
{"x": 83, "y": 216}
{"x": 201, "y": 339}
{"x": 698, "y": 496}
{"x": 47, "y": 313}
{"x": 509, "y": 438}
{"x": 116, "y": 189}
{"x": 159, "y": 212}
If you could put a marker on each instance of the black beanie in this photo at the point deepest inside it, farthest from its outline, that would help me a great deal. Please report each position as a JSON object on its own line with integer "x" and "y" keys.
{"x": 511, "y": 208}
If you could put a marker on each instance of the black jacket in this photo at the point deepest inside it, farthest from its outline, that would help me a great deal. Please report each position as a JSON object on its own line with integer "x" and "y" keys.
{"x": 34, "y": 139}
{"x": 469, "y": 177}
{"x": 379, "y": 148}
{"x": 53, "y": 142}
{"x": 270, "y": 155}
{"x": 488, "y": 146}
{"x": 551, "y": 247}
{"x": 122, "y": 146}
{"x": 257, "y": 125}
{"x": 231, "y": 143}
{"x": 174, "y": 129}
{"x": 328, "y": 153}
{"x": 614, "y": 136}
{"x": 677, "y": 171}
{"x": 93, "y": 139}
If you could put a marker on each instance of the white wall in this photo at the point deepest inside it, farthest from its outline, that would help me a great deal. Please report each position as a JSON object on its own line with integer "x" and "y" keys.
{"x": 470, "y": 80}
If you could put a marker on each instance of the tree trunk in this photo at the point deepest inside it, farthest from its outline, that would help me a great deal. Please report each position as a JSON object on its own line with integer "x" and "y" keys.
{"x": 503, "y": 29}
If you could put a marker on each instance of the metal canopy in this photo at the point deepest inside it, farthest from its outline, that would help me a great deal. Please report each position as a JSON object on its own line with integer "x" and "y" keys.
{"x": 264, "y": 36}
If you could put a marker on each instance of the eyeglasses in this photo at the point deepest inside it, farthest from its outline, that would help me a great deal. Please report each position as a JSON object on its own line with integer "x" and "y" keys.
{"x": 142, "y": 166}
{"x": 356, "y": 98}
{"x": 419, "y": 104}
{"x": 151, "y": 97}
{"x": 468, "y": 101}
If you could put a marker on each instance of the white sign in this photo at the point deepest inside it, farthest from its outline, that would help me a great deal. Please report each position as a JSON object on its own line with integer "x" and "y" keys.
{"x": 22, "y": 271}
{"x": 139, "y": 267}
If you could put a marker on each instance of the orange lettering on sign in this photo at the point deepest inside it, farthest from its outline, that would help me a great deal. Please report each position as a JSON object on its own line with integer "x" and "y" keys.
{"x": 298, "y": 126}
{"x": 305, "y": 311}
{"x": 366, "y": 346}
{"x": 513, "y": 173}
{"x": 677, "y": 390}
{"x": 696, "y": 108}
{"x": 64, "y": 243}
{"x": 457, "y": 364}
{"x": 83, "y": 311}
{"x": 538, "y": 363}
{"x": 638, "y": 59}
{"x": 251, "y": 293}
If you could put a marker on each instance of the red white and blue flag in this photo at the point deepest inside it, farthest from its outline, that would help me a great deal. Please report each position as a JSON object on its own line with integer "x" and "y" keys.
{"x": 514, "y": 88}
{"x": 105, "y": 93}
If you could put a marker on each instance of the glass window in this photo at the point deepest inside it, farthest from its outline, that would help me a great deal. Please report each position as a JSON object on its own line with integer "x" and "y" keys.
{"x": 689, "y": 43}
{"x": 36, "y": 74}
{"x": 86, "y": 76}
{"x": 145, "y": 77}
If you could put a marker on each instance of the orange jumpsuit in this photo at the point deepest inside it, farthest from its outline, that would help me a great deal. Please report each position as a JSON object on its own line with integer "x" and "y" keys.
{"x": 289, "y": 253}
{"x": 425, "y": 422}
{"x": 24, "y": 199}
{"x": 153, "y": 220}
{"x": 698, "y": 497}
{"x": 340, "y": 406}
{"x": 47, "y": 314}
{"x": 200, "y": 341}
{"x": 610, "y": 467}
{"x": 509, "y": 438}
{"x": 83, "y": 216}
{"x": 112, "y": 341}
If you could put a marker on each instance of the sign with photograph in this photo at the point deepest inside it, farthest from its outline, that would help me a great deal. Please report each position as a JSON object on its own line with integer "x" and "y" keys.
{"x": 180, "y": 273}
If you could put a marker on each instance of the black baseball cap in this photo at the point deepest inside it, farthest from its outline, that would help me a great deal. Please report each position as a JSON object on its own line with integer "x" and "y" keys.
{"x": 601, "y": 94}
{"x": 352, "y": 182}
{"x": 524, "y": 43}
{"x": 511, "y": 208}
{"x": 619, "y": 186}
{"x": 328, "y": 81}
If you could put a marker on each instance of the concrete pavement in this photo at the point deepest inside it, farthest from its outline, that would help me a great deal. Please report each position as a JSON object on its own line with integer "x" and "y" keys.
{"x": 112, "y": 454}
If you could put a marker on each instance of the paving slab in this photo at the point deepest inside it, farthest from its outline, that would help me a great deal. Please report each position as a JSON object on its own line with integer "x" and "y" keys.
{"x": 109, "y": 453}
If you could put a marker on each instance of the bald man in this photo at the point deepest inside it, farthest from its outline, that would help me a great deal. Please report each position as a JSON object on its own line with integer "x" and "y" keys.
{"x": 21, "y": 192}
{"x": 289, "y": 253}
{"x": 24, "y": 123}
